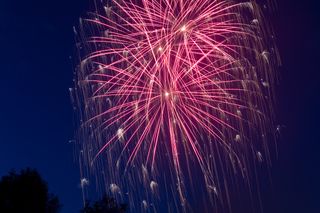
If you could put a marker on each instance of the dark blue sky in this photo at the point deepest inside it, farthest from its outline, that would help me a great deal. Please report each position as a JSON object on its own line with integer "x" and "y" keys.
{"x": 36, "y": 118}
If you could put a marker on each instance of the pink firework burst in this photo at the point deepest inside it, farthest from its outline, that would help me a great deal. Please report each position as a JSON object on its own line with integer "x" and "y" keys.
{"x": 174, "y": 85}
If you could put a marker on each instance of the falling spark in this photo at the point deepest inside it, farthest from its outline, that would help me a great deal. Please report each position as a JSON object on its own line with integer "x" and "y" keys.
{"x": 114, "y": 188}
{"x": 120, "y": 134}
{"x": 84, "y": 182}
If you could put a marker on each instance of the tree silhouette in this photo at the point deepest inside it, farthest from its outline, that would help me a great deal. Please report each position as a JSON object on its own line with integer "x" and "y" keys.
{"x": 26, "y": 192}
{"x": 105, "y": 205}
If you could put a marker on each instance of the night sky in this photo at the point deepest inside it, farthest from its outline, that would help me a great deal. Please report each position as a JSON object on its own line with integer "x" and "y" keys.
{"x": 36, "y": 117}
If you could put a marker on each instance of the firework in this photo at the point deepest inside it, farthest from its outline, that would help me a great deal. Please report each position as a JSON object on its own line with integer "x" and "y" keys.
{"x": 173, "y": 95}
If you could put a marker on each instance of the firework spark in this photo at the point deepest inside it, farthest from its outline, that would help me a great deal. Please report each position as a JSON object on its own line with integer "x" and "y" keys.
{"x": 174, "y": 87}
